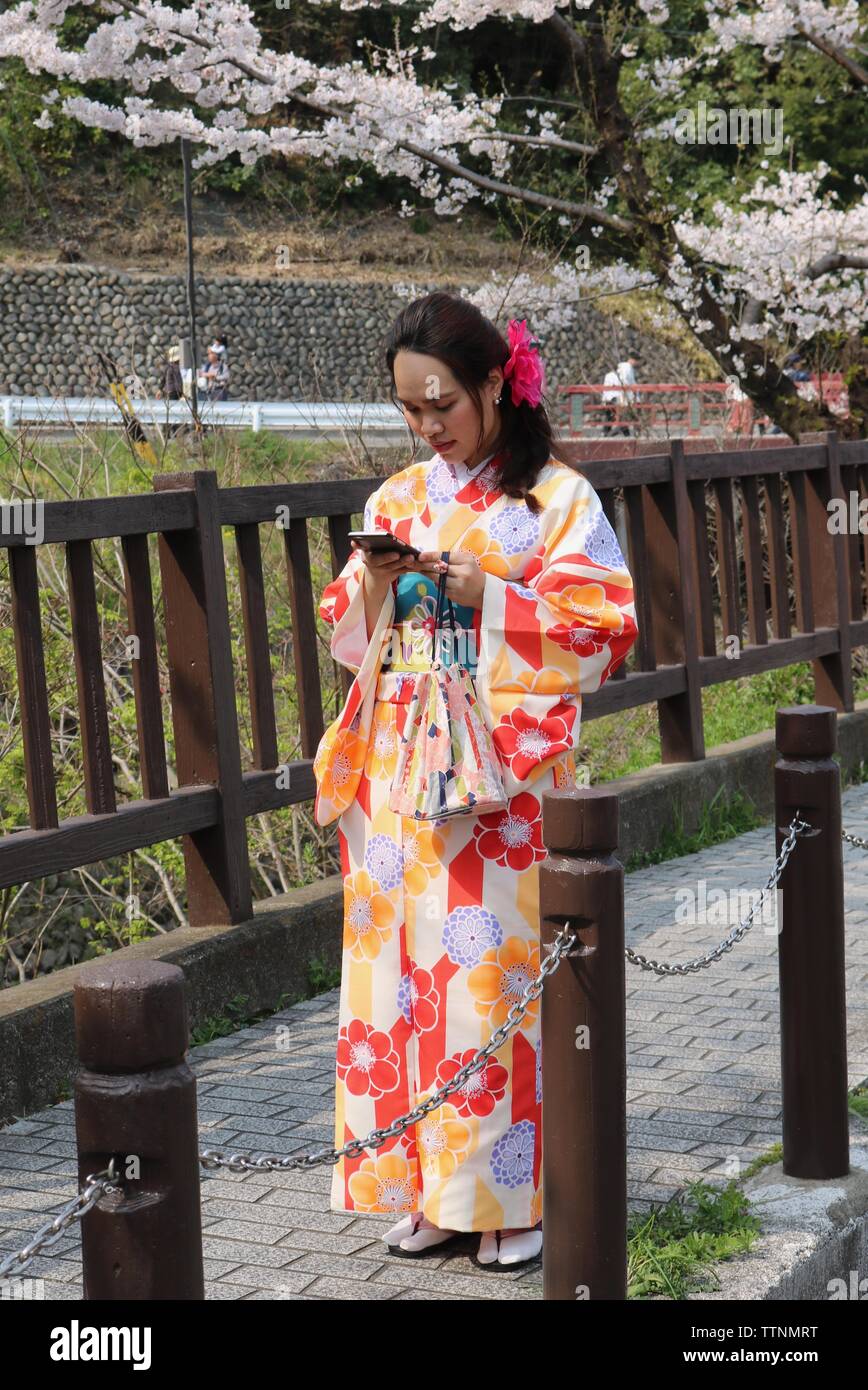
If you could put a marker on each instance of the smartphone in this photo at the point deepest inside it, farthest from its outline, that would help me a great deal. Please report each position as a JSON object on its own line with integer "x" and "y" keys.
{"x": 383, "y": 540}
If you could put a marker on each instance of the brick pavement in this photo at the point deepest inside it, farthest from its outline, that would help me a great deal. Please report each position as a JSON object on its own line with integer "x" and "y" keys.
{"x": 702, "y": 1086}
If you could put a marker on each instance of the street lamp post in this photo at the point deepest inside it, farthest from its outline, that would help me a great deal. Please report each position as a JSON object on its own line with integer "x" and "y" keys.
{"x": 191, "y": 286}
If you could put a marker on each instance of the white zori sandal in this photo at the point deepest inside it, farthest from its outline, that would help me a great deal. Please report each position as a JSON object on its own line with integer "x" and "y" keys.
{"x": 495, "y": 1248}
{"x": 415, "y": 1233}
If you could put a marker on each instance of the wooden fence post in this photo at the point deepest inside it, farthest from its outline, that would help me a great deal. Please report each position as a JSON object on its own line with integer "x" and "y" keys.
{"x": 828, "y": 570}
{"x": 811, "y": 947}
{"x": 668, "y": 530}
{"x": 204, "y": 713}
{"x": 584, "y": 1050}
{"x": 135, "y": 1099}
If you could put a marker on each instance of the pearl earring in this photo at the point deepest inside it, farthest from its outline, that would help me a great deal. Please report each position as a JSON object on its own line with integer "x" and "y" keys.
{"x": 497, "y": 400}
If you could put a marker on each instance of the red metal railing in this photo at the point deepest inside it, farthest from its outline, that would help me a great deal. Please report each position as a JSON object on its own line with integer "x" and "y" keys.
{"x": 648, "y": 409}
{"x": 681, "y": 410}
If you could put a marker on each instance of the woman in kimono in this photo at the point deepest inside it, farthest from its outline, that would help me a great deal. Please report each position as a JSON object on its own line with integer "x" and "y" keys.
{"x": 441, "y": 928}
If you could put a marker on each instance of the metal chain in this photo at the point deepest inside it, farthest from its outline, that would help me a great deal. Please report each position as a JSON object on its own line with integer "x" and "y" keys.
{"x": 98, "y": 1184}
{"x": 214, "y": 1158}
{"x": 797, "y": 827}
{"x": 49, "y": 1234}
{"x": 854, "y": 840}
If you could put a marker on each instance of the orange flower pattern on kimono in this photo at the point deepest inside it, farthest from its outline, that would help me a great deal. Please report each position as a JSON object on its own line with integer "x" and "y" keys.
{"x": 441, "y": 925}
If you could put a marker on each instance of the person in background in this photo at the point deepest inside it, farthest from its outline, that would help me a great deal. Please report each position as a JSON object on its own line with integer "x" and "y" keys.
{"x": 740, "y": 420}
{"x": 616, "y": 395}
{"x": 214, "y": 373}
{"x": 172, "y": 386}
{"x": 172, "y": 383}
{"x": 796, "y": 368}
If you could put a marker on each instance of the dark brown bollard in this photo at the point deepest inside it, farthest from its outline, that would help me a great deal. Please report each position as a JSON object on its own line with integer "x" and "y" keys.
{"x": 811, "y": 947}
{"x": 136, "y": 1098}
{"x": 584, "y": 1059}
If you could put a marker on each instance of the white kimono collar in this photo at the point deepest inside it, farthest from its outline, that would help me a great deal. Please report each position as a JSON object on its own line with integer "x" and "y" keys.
{"x": 461, "y": 471}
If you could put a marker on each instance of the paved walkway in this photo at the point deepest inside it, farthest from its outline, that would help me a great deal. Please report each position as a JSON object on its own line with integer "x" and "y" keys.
{"x": 703, "y": 1087}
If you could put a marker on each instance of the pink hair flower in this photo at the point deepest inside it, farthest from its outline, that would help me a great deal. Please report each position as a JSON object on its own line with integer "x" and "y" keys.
{"x": 524, "y": 367}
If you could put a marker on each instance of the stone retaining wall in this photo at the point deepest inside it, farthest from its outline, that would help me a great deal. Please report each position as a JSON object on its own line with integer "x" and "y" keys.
{"x": 288, "y": 338}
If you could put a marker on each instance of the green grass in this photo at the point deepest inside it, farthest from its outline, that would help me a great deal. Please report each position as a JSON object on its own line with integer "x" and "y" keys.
{"x": 618, "y": 744}
{"x": 774, "y": 1154}
{"x": 238, "y": 1015}
{"x": 723, "y": 818}
{"x": 671, "y": 1249}
{"x": 859, "y": 1101}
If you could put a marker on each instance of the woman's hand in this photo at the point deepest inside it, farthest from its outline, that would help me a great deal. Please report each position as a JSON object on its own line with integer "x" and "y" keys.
{"x": 465, "y": 580}
{"x": 382, "y": 566}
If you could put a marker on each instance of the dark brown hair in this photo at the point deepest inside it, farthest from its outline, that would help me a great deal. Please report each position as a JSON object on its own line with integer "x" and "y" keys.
{"x": 448, "y": 327}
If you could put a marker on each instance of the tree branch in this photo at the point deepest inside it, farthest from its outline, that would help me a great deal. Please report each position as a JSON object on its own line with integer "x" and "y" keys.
{"x": 449, "y": 166}
{"x": 754, "y": 310}
{"x": 836, "y": 260}
{"x": 552, "y": 142}
{"x": 837, "y": 55}
{"x": 523, "y": 195}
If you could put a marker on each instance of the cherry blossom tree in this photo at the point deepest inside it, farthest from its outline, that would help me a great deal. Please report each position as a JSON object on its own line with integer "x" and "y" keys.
{"x": 782, "y": 262}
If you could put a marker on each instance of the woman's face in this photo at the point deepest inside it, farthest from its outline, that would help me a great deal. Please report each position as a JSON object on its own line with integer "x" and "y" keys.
{"x": 439, "y": 410}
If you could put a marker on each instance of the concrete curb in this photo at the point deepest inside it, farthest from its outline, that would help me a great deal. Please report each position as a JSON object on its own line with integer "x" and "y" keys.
{"x": 814, "y": 1243}
{"x": 263, "y": 958}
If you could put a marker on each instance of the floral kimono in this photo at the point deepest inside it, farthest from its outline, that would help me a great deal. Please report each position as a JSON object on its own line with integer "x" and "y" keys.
{"x": 441, "y": 918}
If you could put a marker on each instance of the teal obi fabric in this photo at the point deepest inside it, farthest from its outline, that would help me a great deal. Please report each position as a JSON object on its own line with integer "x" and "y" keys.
{"x": 413, "y": 625}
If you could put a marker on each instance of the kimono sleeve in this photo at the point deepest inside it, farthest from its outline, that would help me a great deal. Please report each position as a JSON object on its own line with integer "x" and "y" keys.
{"x": 343, "y": 602}
{"x": 556, "y": 636}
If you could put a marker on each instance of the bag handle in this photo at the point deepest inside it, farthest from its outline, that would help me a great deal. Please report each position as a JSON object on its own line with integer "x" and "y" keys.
{"x": 442, "y": 601}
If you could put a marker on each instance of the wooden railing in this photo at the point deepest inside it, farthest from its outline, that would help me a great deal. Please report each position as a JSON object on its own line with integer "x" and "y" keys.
{"x": 677, "y": 511}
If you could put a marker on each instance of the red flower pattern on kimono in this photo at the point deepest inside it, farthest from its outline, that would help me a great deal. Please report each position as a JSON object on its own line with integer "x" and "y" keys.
{"x": 524, "y": 742}
{"x": 584, "y": 641}
{"x": 482, "y": 1089}
{"x": 424, "y": 998}
{"x": 366, "y": 1060}
{"x": 513, "y": 836}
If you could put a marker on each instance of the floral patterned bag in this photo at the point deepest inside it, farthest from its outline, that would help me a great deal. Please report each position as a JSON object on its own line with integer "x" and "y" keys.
{"x": 447, "y": 763}
{"x": 340, "y": 757}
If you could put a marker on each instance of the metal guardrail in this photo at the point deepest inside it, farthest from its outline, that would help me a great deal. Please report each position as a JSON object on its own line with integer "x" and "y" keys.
{"x": 329, "y": 419}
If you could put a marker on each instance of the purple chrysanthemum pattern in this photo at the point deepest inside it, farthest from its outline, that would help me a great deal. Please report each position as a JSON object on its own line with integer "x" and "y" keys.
{"x": 404, "y": 997}
{"x": 441, "y": 483}
{"x": 384, "y": 861}
{"x": 523, "y": 590}
{"x": 468, "y": 933}
{"x": 601, "y": 543}
{"x": 512, "y": 1156}
{"x": 516, "y": 528}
